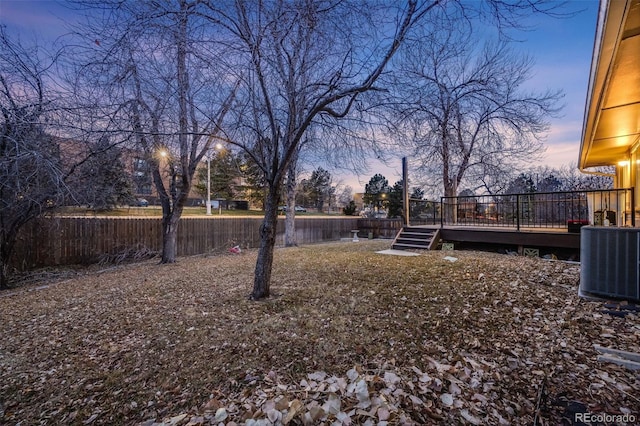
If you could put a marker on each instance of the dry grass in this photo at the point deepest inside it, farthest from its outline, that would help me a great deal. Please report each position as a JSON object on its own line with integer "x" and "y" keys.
{"x": 147, "y": 342}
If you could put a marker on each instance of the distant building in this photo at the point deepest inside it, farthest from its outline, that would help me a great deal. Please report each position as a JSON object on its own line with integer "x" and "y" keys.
{"x": 358, "y": 199}
{"x": 136, "y": 165}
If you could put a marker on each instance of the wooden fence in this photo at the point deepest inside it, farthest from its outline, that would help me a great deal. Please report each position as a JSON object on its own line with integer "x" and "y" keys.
{"x": 85, "y": 240}
{"x": 379, "y": 228}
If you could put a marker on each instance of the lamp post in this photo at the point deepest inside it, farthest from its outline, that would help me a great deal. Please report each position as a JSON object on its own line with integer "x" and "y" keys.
{"x": 208, "y": 185}
{"x": 218, "y": 147}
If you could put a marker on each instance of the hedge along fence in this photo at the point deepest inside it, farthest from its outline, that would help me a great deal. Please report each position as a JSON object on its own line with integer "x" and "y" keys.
{"x": 86, "y": 240}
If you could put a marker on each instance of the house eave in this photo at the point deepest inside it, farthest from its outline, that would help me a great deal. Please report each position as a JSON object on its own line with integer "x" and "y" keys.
{"x": 612, "y": 111}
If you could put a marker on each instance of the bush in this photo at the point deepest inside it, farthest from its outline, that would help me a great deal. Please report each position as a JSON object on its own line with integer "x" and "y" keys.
{"x": 350, "y": 209}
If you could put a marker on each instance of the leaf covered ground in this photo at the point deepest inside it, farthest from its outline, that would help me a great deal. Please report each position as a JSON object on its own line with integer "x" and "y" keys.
{"x": 348, "y": 337}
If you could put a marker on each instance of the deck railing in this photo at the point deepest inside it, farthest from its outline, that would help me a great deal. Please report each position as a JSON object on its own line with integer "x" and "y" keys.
{"x": 424, "y": 212}
{"x": 567, "y": 209}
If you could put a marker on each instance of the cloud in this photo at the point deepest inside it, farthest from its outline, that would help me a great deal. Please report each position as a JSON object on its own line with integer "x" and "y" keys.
{"x": 44, "y": 18}
{"x": 562, "y": 143}
{"x": 561, "y": 154}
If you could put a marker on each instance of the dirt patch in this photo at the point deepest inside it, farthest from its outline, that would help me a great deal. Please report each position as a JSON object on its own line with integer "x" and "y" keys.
{"x": 348, "y": 336}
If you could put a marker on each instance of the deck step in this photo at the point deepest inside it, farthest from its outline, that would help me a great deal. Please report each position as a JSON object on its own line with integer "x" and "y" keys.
{"x": 400, "y": 246}
{"x": 415, "y": 238}
{"x": 418, "y": 230}
{"x": 418, "y": 234}
{"x": 412, "y": 241}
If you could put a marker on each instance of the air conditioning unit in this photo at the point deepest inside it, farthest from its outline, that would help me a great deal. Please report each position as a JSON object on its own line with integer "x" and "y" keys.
{"x": 610, "y": 262}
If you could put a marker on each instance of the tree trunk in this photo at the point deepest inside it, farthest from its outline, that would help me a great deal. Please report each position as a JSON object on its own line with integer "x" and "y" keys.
{"x": 170, "y": 237}
{"x": 171, "y": 216}
{"x": 4, "y": 267}
{"x": 451, "y": 207}
{"x": 6, "y": 250}
{"x": 290, "y": 223}
{"x": 262, "y": 278}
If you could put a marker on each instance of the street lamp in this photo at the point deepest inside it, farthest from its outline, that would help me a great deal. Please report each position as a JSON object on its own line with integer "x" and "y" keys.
{"x": 218, "y": 147}
{"x": 208, "y": 185}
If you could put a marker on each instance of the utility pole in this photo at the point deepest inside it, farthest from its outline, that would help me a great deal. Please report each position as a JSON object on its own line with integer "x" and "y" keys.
{"x": 405, "y": 192}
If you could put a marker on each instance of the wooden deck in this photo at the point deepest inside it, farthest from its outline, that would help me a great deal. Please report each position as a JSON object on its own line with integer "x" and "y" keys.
{"x": 525, "y": 237}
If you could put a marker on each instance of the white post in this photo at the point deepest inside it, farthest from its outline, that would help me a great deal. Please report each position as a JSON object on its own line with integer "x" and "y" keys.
{"x": 208, "y": 186}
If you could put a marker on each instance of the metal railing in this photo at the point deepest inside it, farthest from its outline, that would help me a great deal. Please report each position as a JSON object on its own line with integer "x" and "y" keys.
{"x": 614, "y": 207}
{"x": 424, "y": 212}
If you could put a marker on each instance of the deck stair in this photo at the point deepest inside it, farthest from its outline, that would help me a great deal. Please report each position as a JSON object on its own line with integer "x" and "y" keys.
{"x": 416, "y": 238}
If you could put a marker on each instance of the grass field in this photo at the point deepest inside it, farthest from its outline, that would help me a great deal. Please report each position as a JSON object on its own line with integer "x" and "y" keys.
{"x": 348, "y": 336}
{"x": 157, "y": 211}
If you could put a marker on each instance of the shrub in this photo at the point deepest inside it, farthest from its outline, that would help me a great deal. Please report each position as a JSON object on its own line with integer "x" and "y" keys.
{"x": 350, "y": 209}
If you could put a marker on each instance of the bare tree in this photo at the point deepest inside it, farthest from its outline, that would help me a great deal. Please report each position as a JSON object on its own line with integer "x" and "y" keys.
{"x": 311, "y": 152}
{"x": 345, "y": 194}
{"x": 295, "y": 169}
{"x": 299, "y": 64}
{"x": 549, "y": 179}
{"x": 308, "y": 62}
{"x": 574, "y": 180}
{"x": 465, "y": 109}
{"x": 32, "y": 173}
{"x": 102, "y": 182}
{"x": 152, "y": 73}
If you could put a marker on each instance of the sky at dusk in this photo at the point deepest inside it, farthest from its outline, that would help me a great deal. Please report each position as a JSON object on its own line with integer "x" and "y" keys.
{"x": 561, "y": 48}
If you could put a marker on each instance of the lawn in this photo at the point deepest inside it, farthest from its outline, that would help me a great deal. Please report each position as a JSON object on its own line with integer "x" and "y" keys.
{"x": 188, "y": 211}
{"x": 348, "y": 336}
